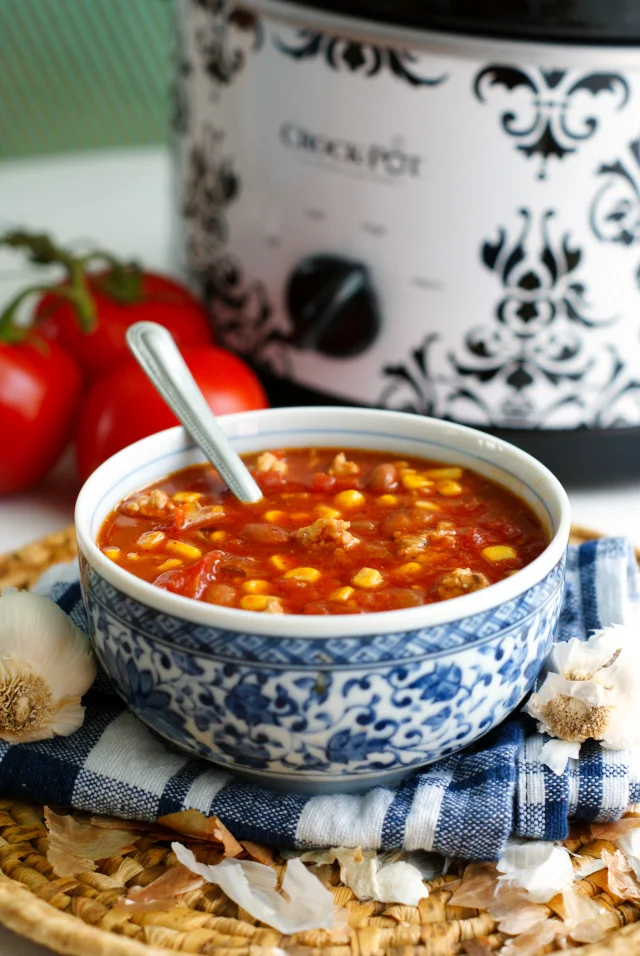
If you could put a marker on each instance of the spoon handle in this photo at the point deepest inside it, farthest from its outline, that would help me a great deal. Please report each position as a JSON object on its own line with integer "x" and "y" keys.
{"x": 158, "y": 355}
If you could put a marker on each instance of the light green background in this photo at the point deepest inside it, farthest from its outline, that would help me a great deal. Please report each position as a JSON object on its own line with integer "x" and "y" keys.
{"x": 83, "y": 74}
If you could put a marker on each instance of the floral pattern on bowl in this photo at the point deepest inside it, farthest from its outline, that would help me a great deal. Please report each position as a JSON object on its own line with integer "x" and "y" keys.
{"x": 292, "y": 720}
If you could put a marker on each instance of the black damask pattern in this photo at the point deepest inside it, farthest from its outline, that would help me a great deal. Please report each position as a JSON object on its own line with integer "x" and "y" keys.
{"x": 540, "y": 291}
{"x": 556, "y": 119}
{"x": 533, "y": 364}
{"x": 615, "y": 210}
{"x": 211, "y": 184}
{"x": 353, "y": 56}
{"x": 221, "y": 57}
{"x": 243, "y": 315}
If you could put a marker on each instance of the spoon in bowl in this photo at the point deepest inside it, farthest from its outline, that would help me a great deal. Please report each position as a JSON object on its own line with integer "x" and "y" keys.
{"x": 158, "y": 356}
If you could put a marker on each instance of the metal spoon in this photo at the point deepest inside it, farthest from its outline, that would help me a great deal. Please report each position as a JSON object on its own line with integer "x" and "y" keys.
{"x": 160, "y": 360}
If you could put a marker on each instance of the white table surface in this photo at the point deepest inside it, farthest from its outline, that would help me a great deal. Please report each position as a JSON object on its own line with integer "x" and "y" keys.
{"x": 121, "y": 199}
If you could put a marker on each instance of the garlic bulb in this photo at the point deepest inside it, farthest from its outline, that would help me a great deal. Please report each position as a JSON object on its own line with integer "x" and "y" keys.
{"x": 592, "y": 691}
{"x": 46, "y": 665}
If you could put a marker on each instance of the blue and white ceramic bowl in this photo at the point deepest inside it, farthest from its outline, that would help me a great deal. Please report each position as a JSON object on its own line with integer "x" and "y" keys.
{"x": 324, "y": 703}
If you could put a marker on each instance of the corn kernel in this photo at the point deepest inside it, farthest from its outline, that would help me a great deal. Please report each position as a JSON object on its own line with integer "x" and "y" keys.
{"x": 187, "y": 495}
{"x": 413, "y": 482}
{"x": 350, "y": 499}
{"x": 301, "y": 517}
{"x": 367, "y": 578}
{"x": 170, "y": 564}
{"x": 280, "y": 562}
{"x": 441, "y": 473}
{"x": 303, "y": 574}
{"x": 113, "y": 553}
{"x": 387, "y": 501}
{"x": 324, "y": 511}
{"x": 255, "y": 586}
{"x": 449, "y": 489}
{"x": 151, "y": 539}
{"x": 341, "y": 594}
{"x": 426, "y": 505}
{"x": 184, "y": 550}
{"x": 411, "y": 567}
{"x": 256, "y": 602}
{"x": 499, "y": 552}
{"x": 216, "y": 536}
{"x": 274, "y": 517}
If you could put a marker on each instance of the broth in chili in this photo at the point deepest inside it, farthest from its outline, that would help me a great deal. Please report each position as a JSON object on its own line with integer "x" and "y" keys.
{"x": 338, "y": 531}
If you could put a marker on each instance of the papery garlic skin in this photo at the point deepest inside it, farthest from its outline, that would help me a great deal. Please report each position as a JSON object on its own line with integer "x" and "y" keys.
{"x": 629, "y": 843}
{"x": 370, "y": 880}
{"x": 555, "y": 754}
{"x": 585, "y": 920}
{"x": 581, "y": 660}
{"x": 371, "y": 877}
{"x": 46, "y": 665}
{"x": 542, "y": 869}
{"x": 305, "y": 904}
{"x": 592, "y": 691}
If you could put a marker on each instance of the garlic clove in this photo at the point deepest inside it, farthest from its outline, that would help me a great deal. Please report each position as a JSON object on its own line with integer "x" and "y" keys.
{"x": 45, "y": 666}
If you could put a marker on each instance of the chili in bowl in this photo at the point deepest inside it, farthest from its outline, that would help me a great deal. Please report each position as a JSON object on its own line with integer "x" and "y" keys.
{"x": 390, "y": 599}
{"x": 335, "y": 533}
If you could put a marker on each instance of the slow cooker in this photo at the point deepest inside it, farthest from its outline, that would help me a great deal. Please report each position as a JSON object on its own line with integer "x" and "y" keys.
{"x": 430, "y": 206}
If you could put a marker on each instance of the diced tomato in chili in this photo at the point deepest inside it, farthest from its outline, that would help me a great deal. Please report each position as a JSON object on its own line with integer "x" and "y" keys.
{"x": 337, "y": 532}
{"x": 323, "y": 483}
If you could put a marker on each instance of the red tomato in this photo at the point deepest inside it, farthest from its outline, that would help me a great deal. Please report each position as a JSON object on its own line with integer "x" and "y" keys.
{"x": 39, "y": 392}
{"x": 164, "y": 301}
{"x": 123, "y": 406}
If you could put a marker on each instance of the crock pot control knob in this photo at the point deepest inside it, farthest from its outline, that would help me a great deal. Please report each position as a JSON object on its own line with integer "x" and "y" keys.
{"x": 333, "y": 307}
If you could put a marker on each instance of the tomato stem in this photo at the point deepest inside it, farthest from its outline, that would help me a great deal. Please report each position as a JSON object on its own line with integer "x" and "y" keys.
{"x": 121, "y": 281}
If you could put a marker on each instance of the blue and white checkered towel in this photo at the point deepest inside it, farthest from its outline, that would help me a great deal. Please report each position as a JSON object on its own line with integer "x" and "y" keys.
{"x": 466, "y": 805}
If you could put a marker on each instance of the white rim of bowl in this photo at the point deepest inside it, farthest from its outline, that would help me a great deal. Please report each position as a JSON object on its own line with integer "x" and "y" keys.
{"x": 306, "y": 626}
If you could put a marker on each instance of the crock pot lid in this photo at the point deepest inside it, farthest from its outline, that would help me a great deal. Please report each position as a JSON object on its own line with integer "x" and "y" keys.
{"x": 574, "y": 21}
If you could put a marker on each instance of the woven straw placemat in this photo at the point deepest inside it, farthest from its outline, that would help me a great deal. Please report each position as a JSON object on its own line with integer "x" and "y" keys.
{"x": 76, "y": 915}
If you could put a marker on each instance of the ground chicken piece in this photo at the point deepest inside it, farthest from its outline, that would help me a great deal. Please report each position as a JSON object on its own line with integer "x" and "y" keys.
{"x": 342, "y": 468}
{"x": 152, "y": 504}
{"x": 444, "y": 533}
{"x": 326, "y": 533}
{"x": 461, "y": 581}
{"x": 267, "y": 461}
{"x": 273, "y": 607}
{"x": 412, "y": 545}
